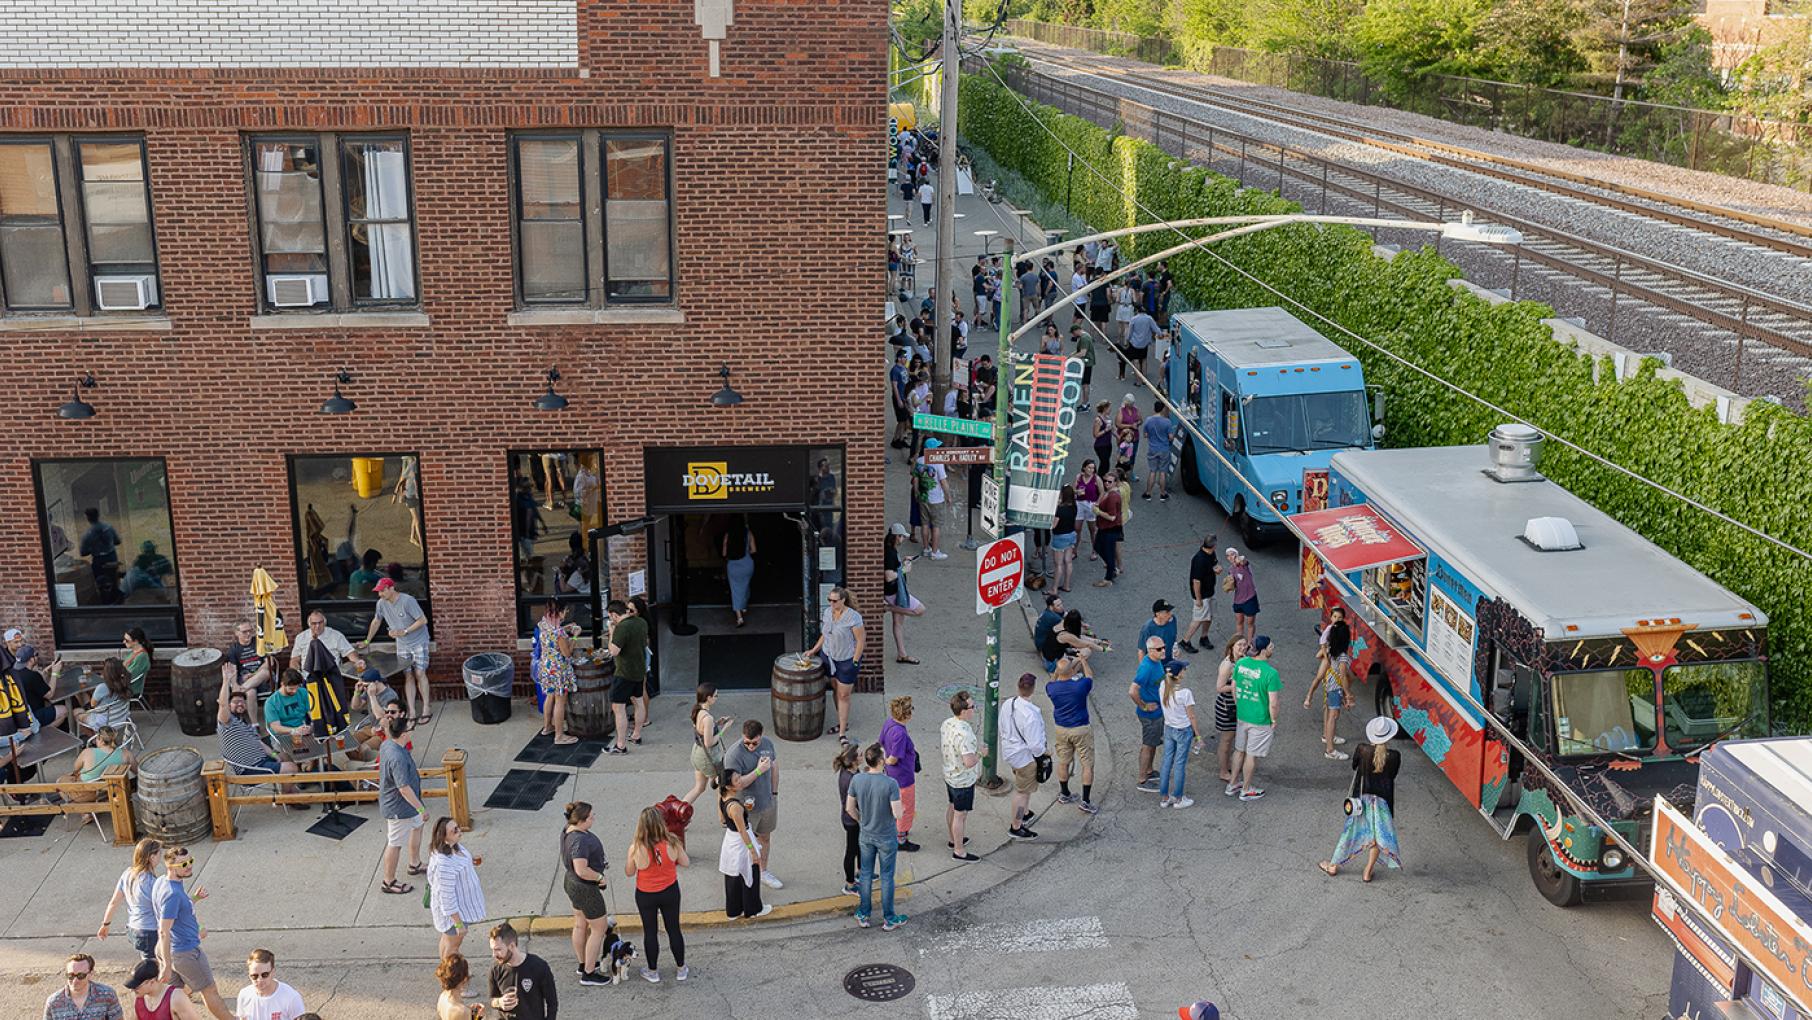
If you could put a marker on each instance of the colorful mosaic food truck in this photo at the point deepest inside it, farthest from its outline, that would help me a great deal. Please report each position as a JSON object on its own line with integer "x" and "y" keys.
{"x": 1553, "y": 663}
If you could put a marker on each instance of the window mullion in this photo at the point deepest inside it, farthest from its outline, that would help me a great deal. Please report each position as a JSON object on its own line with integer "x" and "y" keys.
{"x": 333, "y": 212}
{"x": 591, "y": 180}
{"x": 75, "y": 235}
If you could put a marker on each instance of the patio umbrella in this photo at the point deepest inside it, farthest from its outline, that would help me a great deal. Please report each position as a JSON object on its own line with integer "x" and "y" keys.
{"x": 14, "y": 716}
{"x": 271, "y": 638}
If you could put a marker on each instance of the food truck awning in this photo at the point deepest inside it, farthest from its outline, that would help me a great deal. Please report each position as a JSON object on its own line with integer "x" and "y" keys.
{"x": 1353, "y": 538}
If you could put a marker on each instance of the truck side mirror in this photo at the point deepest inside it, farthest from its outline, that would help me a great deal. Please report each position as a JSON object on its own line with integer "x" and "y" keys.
{"x": 1377, "y": 395}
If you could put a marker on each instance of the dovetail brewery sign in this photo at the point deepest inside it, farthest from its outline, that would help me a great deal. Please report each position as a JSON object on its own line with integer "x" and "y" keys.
{"x": 1046, "y": 389}
{"x": 725, "y": 477}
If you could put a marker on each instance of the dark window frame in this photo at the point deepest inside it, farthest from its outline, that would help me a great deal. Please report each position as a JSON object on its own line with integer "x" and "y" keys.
{"x": 332, "y": 151}
{"x": 58, "y": 614}
{"x": 343, "y": 606}
{"x": 72, "y": 221}
{"x": 520, "y": 600}
{"x": 594, "y": 190}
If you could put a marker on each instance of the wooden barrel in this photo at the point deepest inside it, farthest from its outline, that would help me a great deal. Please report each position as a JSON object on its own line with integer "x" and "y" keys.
{"x": 171, "y": 803}
{"x": 588, "y": 714}
{"x": 195, "y": 690}
{"x": 798, "y": 693}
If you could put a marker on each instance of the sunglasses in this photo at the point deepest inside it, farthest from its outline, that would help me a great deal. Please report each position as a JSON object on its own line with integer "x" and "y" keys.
{"x": 73, "y": 976}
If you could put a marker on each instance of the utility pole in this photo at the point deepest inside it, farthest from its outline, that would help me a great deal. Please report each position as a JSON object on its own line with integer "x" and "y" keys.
{"x": 945, "y": 274}
{"x": 990, "y": 777}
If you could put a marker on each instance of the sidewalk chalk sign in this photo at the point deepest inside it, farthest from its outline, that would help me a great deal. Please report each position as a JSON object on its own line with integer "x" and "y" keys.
{"x": 990, "y": 505}
{"x": 959, "y": 373}
{"x": 1000, "y": 569}
{"x": 960, "y": 455}
{"x": 953, "y": 426}
{"x": 1046, "y": 388}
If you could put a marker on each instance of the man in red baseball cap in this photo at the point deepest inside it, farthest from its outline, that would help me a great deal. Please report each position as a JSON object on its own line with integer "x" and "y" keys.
{"x": 407, "y": 625}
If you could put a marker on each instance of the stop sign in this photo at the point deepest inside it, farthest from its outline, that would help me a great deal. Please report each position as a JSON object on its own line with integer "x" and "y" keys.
{"x": 1000, "y": 568}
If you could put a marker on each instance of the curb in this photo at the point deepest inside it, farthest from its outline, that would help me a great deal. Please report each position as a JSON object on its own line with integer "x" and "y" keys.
{"x": 804, "y": 910}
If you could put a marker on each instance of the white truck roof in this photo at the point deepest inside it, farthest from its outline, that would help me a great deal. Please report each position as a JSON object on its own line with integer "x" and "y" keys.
{"x": 1253, "y": 337}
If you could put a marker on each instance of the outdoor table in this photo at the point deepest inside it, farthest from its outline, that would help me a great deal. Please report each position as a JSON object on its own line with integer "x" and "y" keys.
{"x": 313, "y": 748}
{"x": 71, "y": 684}
{"x": 40, "y": 747}
{"x": 385, "y": 663}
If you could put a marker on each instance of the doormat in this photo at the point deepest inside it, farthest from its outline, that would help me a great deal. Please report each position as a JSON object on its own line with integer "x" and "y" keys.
{"x": 525, "y": 789}
{"x": 21, "y": 826}
{"x": 739, "y": 662}
{"x": 543, "y": 751}
{"x": 335, "y": 825}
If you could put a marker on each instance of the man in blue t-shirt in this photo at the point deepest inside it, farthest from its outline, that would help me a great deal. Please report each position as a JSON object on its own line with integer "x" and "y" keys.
{"x": 179, "y": 934}
{"x": 1163, "y": 623}
{"x": 1158, "y": 429}
{"x": 1073, "y": 738}
{"x": 1145, "y": 692}
{"x": 1044, "y": 632}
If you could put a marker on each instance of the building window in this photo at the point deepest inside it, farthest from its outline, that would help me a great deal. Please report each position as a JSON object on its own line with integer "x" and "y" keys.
{"x": 108, "y": 551}
{"x": 76, "y": 202}
{"x": 573, "y": 248}
{"x": 335, "y": 222}
{"x": 556, "y": 498}
{"x": 358, "y": 519}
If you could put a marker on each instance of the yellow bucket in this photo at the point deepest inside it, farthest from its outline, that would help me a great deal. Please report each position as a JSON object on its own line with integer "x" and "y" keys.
{"x": 368, "y": 476}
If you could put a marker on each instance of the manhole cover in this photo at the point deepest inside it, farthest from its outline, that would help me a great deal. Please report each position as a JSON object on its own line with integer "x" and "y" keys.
{"x": 878, "y": 982}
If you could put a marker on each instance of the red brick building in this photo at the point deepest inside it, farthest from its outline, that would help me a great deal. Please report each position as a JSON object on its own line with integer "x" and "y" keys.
{"x": 444, "y": 199}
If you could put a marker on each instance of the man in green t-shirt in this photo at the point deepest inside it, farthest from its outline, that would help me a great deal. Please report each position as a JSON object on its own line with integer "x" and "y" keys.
{"x": 1257, "y": 698}
{"x": 629, "y": 652}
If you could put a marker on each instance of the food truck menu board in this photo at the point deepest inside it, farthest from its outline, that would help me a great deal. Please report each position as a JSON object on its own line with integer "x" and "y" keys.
{"x": 1450, "y": 633}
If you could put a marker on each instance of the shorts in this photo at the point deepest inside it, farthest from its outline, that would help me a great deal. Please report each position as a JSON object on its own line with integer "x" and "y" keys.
{"x": 145, "y": 941}
{"x": 763, "y": 821}
{"x": 586, "y": 897}
{"x": 1254, "y": 740}
{"x": 902, "y": 413}
{"x": 1226, "y": 715}
{"x": 1336, "y": 696}
{"x": 412, "y": 658}
{"x": 268, "y": 766}
{"x": 1066, "y": 540}
{"x": 1088, "y": 372}
{"x": 1158, "y": 460}
{"x": 46, "y": 716}
{"x": 1248, "y": 607}
{"x": 1025, "y": 777}
{"x": 1203, "y": 613}
{"x": 913, "y": 605}
{"x": 1085, "y": 511}
{"x": 397, "y": 830}
{"x": 624, "y": 690}
{"x": 962, "y": 798}
{"x": 937, "y": 515}
{"x": 842, "y": 671}
{"x": 1151, "y": 732}
{"x": 1076, "y": 742}
{"x": 1138, "y": 353}
{"x": 192, "y": 968}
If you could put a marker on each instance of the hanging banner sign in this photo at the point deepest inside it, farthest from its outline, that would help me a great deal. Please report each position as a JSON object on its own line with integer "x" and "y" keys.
{"x": 1046, "y": 389}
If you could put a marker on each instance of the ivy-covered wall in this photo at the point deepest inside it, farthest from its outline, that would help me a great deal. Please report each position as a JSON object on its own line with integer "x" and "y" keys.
{"x": 1758, "y": 472}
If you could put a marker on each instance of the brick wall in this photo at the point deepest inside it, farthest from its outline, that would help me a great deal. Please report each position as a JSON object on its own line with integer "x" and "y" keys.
{"x": 778, "y": 178}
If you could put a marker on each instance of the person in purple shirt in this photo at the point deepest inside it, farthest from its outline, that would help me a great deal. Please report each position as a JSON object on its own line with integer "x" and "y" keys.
{"x": 1073, "y": 739}
{"x": 1245, "y": 595}
{"x": 902, "y": 763}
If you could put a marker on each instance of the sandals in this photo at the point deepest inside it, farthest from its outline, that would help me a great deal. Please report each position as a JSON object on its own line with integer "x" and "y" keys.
{"x": 565, "y": 741}
{"x": 1329, "y": 869}
{"x": 906, "y": 659}
{"x": 397, "y": 888}
{"x": 418, "y": 869}
{"x": 424, "y": 717}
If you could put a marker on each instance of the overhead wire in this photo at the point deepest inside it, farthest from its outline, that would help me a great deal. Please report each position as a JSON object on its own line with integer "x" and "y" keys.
{"x": 1392, "y": 355}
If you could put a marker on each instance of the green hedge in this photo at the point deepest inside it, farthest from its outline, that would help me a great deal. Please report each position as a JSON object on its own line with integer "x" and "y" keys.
{"x": 1759, "y": 472}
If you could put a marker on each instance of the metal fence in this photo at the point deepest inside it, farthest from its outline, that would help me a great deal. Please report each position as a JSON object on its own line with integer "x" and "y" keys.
{"x": 1774, "y": 152}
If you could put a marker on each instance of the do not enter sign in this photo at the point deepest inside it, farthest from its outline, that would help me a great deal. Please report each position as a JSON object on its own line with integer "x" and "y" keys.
{"x": 1000, "y": 571}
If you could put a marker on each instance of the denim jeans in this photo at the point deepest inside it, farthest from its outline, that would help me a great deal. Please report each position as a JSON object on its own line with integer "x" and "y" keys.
{"x": 875, "y": 852}
{"x": 1176, "y": 759}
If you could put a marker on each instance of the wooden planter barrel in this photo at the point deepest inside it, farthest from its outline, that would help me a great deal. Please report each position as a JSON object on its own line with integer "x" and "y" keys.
{"x": 195, "y": 690}
{"x": 588, "y": 714}
{"x": 798, "y": 695}
{"x": 171, "y": 802}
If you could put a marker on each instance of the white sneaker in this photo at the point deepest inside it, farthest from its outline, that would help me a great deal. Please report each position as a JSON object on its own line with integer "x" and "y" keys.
{"x": 653, "y": 977}
{"x": 768, "y": 879}
{"x": 766, "y": 909}
{"x": 683, "y": 974}
{"x": 1182, "y": 802}
{"x": 938, "y": 554}
{"x": 1339, "y": 740}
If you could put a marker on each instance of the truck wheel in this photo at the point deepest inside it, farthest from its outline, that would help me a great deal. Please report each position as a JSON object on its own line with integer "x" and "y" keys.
{"x": 1556, "y": 885}
{"x": 1248, "y": 528}
{"x": 1192, "y": 477}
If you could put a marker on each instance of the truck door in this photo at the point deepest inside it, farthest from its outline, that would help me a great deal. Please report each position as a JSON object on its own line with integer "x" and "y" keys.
{"x": 1198, "y": 412}
{"x": 1227, "y": 489}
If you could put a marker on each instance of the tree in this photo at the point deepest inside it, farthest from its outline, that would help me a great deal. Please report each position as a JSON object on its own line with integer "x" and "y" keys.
{"x": 1318, "y": 28}
{"x": 1402, "y": 42}
{"x": 1773, "y": 84}
{"x": 1204, "y": 24}
{"x": 1683, "y": 75}
{"x": 1622, "y": 39}
{"x": 1530, "y": 42}
{"x": 1139, "y": 17}
{"x": 918, "y": 26}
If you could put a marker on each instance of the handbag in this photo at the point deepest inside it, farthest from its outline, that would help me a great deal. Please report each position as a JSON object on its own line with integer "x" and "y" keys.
{"x": 1226, "y": 584}
{"x": 1355, "y": 801}
{"x": 1041, "y": 762}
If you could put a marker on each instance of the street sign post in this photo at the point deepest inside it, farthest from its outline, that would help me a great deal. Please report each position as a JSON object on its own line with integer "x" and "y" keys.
{"x": 953, "y": 426}
{"x": 997, "y": 475}
{"x": 1000, "y": 573}
{"x": 990, "y": 505}
{"x": 960, "y": 455}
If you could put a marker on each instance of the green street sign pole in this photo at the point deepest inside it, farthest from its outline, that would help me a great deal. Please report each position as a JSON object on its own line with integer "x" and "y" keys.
{"x": 990, "y": 777}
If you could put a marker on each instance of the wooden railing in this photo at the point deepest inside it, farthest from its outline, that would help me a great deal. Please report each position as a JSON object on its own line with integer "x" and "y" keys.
{"x": 222, "y": 800}
{"x": 114, "y": 786}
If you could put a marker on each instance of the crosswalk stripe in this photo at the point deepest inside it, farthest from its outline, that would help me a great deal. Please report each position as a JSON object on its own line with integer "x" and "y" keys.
{"x": 1051, "y": 936}
{"x": 1093, "y": 1002}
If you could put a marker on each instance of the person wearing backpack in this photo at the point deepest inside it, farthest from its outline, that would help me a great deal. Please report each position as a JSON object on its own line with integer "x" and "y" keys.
{"x": 1022, "y": 744}
{"x": 932, "y": 484}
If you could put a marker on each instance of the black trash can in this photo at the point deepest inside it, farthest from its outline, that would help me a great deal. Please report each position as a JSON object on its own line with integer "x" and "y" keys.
{"x": 488, "y": 677}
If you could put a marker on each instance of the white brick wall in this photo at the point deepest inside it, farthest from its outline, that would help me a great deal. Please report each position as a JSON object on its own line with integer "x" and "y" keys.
{"x": 289, "y": 33}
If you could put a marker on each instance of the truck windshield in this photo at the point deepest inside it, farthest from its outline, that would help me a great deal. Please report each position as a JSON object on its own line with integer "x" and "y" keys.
{"x": 1307, "y": 421}
{"x": 1604, "y": 710}
{"x": 1706, "y": 701}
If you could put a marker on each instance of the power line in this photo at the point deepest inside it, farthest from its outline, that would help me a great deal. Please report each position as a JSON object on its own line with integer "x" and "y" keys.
{"x": 1392, "y": 355}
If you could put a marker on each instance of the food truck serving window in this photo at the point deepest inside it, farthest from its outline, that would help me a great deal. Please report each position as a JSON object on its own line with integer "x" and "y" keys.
{"x": 1706, "y": 701}
{"x": 1604, "y": 710}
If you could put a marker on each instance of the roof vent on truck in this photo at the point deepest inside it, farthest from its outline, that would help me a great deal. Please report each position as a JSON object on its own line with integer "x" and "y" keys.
{"x": 1515, "y": 453}
{"x": 1551, "y": 534}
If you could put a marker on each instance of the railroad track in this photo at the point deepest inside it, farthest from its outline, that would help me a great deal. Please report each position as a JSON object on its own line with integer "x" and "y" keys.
{"x": 1741, "y": 311}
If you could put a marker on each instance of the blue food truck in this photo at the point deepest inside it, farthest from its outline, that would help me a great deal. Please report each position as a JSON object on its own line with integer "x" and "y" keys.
{"x": 1279, "y": 399}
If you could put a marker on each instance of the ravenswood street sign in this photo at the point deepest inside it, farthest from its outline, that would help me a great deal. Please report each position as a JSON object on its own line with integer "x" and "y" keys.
{"x": 1000, "y": 569}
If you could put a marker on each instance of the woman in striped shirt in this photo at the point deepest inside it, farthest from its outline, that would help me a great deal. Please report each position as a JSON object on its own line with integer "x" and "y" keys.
{"x": 454, "y": 897}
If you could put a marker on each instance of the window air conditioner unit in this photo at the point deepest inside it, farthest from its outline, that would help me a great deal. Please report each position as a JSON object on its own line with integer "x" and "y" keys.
{"x": 125, "y": 293}
{"x": 296, "y": 291}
